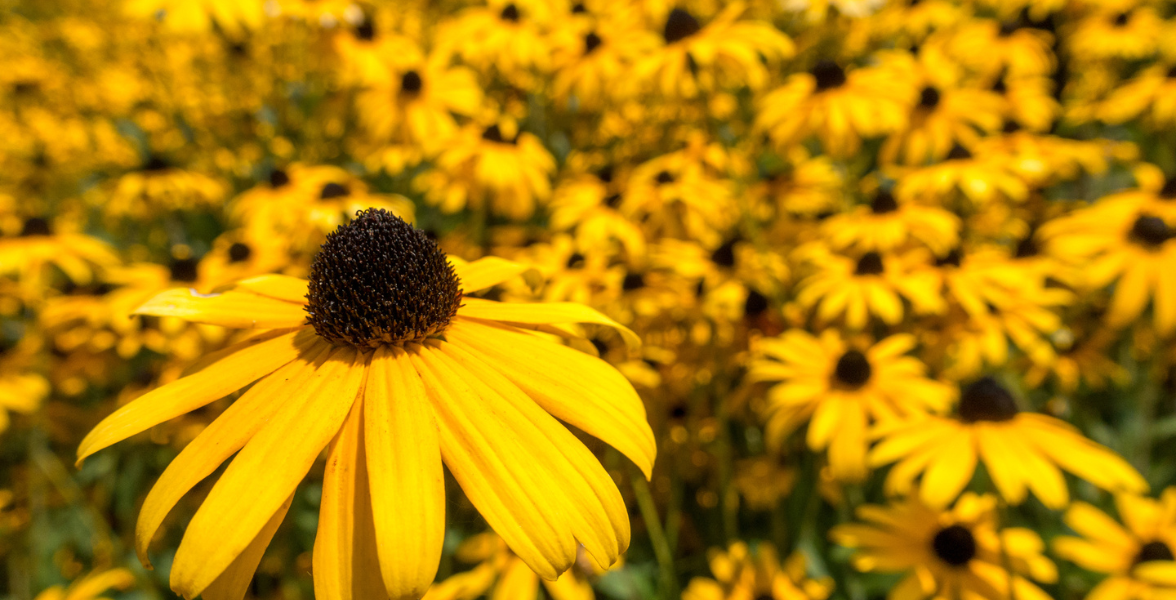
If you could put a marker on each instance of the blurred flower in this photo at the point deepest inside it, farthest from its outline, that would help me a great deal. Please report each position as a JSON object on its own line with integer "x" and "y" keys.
{"x": 953, "y": 553}
{"x": 743, "y": 574}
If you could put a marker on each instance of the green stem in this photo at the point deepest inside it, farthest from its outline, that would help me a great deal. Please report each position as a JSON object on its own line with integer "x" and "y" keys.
{"x": 657, "y": 535}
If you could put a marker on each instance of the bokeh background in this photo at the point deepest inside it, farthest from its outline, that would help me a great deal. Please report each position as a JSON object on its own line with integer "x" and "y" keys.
{"x": 764, "y": 191}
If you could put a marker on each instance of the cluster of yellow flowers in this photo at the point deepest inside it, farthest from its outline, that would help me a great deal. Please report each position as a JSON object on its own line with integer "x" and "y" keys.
{"x": 834, "y": 298}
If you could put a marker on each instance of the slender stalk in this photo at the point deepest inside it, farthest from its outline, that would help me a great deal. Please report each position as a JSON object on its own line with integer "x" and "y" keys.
{"x": 657, "y": 535}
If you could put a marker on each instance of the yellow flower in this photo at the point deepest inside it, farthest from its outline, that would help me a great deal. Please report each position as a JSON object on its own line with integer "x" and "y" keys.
{"x": 725, "y": 52}
{"x": 1120, "y": 240}
{"x": 1137, "y": 558}
{"x": 886, "y": 225}
{"x": 414, "y": 100}
{"x": 593, "y": 55}
{"x": 838, "y": 389}
{"x": 159, "y": 187}
{"x": 20, "y": 392}
{"x": 838, "y": 106}
{"x": 872, "y": 285}
{"x": 956, "y": 553}
{"x": 90, "y": 587}
{"x": 588, "y": 204}
{"x": 232, "y": 16}
{"x": 496, "y": 167}
{"x": 384, "y": 317}
{"x": 1151, "y": 93}
{"x": 28, "y": 252}
{"x": 991, "y": 48}
{"x": 743, "y": 574}
{"x": 1117, "y": 30}
{"x": 1021, "y": 451}
{"x": 501, "y": 575}
{"x": 982, "y": 179}
{"x": 509, "y": 37}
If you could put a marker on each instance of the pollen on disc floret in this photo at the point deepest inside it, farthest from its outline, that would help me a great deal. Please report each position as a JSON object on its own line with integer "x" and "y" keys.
{"x": 379, "y": 281}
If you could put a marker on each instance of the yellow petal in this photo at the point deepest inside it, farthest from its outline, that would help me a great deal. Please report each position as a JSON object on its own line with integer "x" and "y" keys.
{"x": 405, "y": 474}
{"x": 482, "y": 446}
{"x": 234, "y": 368}
{"x": 345, "y": 560}
{"x": 590, "y": 490}
{"x": 574, "y": 387}
{"x": 234, "y": 582}
{"x": 542, "y": 313}
{"x": 949, "y": 472}
{"x": 93, "y": 585}
{"x": 517, "y": 582}
{"x": 280, "y": 287}
{"x": 223, "y": 437}
{"x": 237, "y": 309}
{"x": 486, "y": 272}
{"x": 265, "y": 472}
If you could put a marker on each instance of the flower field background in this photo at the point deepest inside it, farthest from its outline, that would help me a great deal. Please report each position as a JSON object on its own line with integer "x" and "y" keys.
{"x": 903, "y": 272}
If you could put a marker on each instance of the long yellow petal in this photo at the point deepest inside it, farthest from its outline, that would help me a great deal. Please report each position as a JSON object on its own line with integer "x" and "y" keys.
{"x": 345, "y": 564}
{"x": 265, "y": 472}
{"x": 281, "y": 287}
{"x": 235, "y": 368}
{"x": 405, "y": 473}
{"x": 232, "y": 308}
{"x": 234, "y": 582}
{"x": 497, "y": 473}
{"x": 224, "y": 436}
{"x": 604, "y": 531}
{"x": 542, "y": 313}
{"x": 486, "y": 272}
{"x": 574, "y": 387}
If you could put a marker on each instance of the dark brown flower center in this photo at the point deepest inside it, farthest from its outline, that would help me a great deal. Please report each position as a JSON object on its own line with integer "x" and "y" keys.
{"x": 755, "y": 304}
{"x": 1154, "y": 551}
{"x": 278, "y": 178}
{"x": 239, "y": 252}
{"x": 411, "y": 82}
{"x": 664, "y": 177}
{"x": 869, "y": 264}
{"x": 724, "y": 256}
{"x": 591, "y": 42}
{"x": 959, "y": 152}
{"x": 334, "y": 190}
{"x": 680, "y": 25}
{"x": 1168, "y": 192}
{"x": 987, "y": 400}
{"x": 954, "y": 545}
{"x": 1149, "y": 230}
{"x": 828, "y": 74}
{"x": 633, "y": 281}
{"x": 929, "y": 97}
{"x": 366, "y": 30}
{"x": 377, "y": 281}
{"x": 35, "y": 226}
{"x": 853, "y": 369}
{"x": 883, "y": 203}
{"x": 510, "y": 13}
{"x": 184, "y": 270}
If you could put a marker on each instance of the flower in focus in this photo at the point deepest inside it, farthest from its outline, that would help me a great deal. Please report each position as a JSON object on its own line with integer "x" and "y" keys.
{"x": 468, "y": 390}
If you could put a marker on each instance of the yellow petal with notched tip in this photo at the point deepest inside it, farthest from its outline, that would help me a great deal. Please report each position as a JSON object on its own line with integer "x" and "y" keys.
{"x": 574, "y": 387}
{"x": 223, "y": 437}
{"x": 542, "y": 313}
{"x": 234, "y": 582}
{"x": 601, "y": 521}
{"x": 280, "y": 287}
{"x": 405, "y": 473}
{"x": 232, "y": 308}
{"x": 486, "y": 272}
{"x": 346, "y": 566}
{"x": 234, "y": 368}
{"x": 265, "y": 472}
{"x": 483, "y": 450}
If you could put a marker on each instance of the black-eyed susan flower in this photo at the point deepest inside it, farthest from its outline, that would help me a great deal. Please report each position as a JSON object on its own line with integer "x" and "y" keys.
{"x": 1136, "y": 555}
{"x": 723, "y": 52}
{"x": 20, "y": 392}
{"x": 382, "y": 356}
{"x": 497, "y": 167}
{"x": 743, "y": 573}
{"x": 837, "y": 105}
{"x": 962, "y": 552}
{"x": 1118, "y": 29}
{"x": 1149, "y": 94}
{"x": 26, "y": 253}
{"x": 885, "y": 225}
{"x": 1021, "y": 451}
{"x": 499, "y": 573}
{"x": 872, "y": 285}
{"x": 839, "y": 388}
